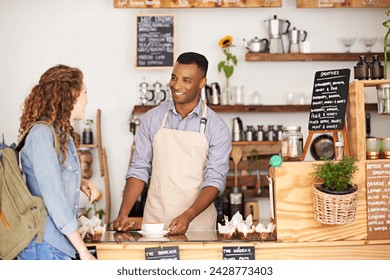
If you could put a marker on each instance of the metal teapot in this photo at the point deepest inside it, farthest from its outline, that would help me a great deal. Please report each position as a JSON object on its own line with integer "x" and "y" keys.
{"x": 256, "y": 45}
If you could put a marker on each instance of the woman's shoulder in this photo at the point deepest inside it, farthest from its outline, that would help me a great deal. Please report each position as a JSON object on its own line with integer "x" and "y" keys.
{"x": 40, "y": 131}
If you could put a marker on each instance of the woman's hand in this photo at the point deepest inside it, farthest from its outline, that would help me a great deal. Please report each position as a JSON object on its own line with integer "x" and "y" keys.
{"x": 90, "y": 189}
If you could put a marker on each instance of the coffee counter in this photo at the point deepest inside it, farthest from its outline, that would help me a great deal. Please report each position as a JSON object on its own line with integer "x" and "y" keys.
{"x": 208, "y": 245}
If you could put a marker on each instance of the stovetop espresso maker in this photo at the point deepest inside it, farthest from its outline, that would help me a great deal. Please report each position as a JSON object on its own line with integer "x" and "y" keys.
{"x": 275, "y": 29}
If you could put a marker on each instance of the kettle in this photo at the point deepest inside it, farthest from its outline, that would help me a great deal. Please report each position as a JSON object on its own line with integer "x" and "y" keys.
{"x": 256, "y": 45}
{"x": 213, "y": 94}
{"x": 238, "y": 130}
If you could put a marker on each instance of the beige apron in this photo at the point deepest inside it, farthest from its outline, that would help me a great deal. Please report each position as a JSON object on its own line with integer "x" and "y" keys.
{"x": 179, "y": 160}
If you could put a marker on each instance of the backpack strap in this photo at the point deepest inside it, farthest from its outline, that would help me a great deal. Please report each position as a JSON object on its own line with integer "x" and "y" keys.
{"x": 22, "y": 139}
{"x": 19, "y": 146}
{"x": 42, "y": 225}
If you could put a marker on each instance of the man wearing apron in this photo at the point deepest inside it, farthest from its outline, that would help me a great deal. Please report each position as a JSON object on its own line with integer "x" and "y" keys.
{"x": 184, "y": 146}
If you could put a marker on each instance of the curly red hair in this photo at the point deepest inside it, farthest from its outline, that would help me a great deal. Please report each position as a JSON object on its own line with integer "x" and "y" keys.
{"x": 53, "y": 100}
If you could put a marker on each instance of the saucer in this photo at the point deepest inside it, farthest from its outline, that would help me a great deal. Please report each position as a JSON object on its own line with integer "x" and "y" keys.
{"x": 153, "y": 234}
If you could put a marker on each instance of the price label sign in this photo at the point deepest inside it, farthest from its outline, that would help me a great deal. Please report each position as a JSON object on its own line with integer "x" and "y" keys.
{"x": 162, "y": 253}
{"x": 238, "y": 253}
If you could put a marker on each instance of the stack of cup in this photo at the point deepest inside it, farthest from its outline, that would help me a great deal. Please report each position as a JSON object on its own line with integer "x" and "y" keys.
{"x": 378, "y": 148}
{"x": 373, "y": 148}
{"x": 385, "y": 148}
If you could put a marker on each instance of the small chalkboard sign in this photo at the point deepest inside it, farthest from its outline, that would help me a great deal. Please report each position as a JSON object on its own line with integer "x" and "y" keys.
{"x": 155, "y": 40}
{"x": 329, "y": 100}
{"x": 91, "y": 249}
{"x": 162, "y": 253}
{"x": 238, "y": 253}
{"x": 378, "y": 200}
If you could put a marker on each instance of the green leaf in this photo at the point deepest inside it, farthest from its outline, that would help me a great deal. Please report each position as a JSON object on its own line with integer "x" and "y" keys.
{"x": 228, "y": 71}
{"x": 234, "y": 58}
{"x": 221, "y": 65}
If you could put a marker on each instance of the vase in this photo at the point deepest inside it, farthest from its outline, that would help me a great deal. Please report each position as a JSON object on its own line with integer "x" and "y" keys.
{"x": 226, "y": 96}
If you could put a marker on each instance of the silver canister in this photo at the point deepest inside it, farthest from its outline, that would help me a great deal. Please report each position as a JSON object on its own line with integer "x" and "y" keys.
{"x": 237, "y": 130}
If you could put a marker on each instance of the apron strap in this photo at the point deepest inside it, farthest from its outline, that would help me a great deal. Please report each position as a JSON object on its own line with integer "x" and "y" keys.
{"x": 203, "y": 120}
{"x": 164, "y": 120}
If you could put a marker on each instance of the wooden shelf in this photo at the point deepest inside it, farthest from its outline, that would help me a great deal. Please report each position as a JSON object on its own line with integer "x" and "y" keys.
{"x": 197, "y": 4}
{"x": 342, "y": 4}
{"x": 139, "y": 109}
{"x": 240, "y": 108}
{"x": 309, "y": 56}
{"x": 88, "y": 146}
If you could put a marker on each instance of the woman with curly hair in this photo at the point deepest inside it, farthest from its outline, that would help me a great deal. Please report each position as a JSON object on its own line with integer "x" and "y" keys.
{"x": 58, "y": 99}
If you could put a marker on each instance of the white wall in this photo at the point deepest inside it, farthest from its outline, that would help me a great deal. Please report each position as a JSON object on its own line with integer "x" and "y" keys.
{"x": 100, "y": 40}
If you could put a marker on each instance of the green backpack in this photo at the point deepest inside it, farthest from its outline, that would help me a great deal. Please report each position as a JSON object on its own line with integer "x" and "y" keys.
{"x": 22, "y": 215}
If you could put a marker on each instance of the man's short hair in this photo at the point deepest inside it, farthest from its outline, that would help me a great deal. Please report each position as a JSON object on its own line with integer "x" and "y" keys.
{"x": 194, "y": 58}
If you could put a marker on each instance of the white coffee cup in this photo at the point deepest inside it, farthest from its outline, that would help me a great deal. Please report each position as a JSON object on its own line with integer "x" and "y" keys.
{"x": 153, "y": 227}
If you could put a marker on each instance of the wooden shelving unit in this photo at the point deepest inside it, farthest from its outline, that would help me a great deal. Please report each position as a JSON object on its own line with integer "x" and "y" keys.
{"x": 139, "y": 109}
{"x": 88, "y": 146}
{"x": 309, "y": 56}
{"x": 342, "y": 4}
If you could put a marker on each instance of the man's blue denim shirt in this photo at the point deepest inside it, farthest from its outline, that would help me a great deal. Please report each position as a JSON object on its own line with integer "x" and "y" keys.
{"x": 58, "y": 183}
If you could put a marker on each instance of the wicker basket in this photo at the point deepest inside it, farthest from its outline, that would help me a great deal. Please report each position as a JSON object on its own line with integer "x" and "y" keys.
{"x": 332, "y": 209}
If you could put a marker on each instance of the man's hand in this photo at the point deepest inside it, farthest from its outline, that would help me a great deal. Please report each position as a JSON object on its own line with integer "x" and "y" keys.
{"x": 180, "y": 224}
{"x": 123, "y": 223}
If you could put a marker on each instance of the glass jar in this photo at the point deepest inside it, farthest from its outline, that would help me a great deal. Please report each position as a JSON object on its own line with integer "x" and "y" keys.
{"x": 339, "y": 150}
{"x": 383, "y": 94}
{"x": 376, "y": 68}
{"x": 292, "y": 143}
{"x": 361, "y": 69}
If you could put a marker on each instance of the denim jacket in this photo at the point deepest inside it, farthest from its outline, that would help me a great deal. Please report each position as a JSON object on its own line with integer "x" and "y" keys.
{"x": 57, "y": 183}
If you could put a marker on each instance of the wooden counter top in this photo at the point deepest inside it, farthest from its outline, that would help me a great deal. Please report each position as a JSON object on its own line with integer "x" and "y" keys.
{"x": 195, "y": 246}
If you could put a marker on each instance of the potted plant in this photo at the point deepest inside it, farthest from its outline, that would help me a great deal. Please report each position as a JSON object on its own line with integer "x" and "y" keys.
{"x": 335, "y": 198}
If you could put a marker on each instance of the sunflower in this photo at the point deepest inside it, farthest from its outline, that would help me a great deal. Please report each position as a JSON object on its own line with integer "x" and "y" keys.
{"x": 227, "y": 65}
{"x": 225, "y": 42}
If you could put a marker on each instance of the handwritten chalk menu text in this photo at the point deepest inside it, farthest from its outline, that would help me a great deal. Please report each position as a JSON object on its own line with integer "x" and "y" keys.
{"x": 238, "y": 253}
{"x": 155, "y": 40}
{"x": 162, "y": 253}
{"x": 329, "y": 100}
{"x": 378, "y": 199}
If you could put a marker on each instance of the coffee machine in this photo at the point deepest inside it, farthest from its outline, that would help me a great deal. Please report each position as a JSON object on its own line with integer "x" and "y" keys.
{"x": 275, "y": 28}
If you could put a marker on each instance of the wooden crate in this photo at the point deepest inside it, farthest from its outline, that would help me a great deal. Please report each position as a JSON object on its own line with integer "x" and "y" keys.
{"x": 356, "y": 116}
{"x": 294, "y": 206}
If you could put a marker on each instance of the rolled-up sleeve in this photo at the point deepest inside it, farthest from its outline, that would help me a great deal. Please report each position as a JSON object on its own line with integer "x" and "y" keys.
{"x": 141, "y": 163}
{"x": 217, "y": 164}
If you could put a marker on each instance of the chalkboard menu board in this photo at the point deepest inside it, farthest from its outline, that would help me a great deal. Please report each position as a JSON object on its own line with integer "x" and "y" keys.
{"x": 162, "y": 253}
{"x": 238, "y": 253}
{"x": 378, "y": 199}
{"x": 329, "y": 100}
{"x": 155, "y": 40}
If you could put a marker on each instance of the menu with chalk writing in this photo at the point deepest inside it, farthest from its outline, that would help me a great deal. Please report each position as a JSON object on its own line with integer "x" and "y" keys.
{"x": 329, "y": 100}
{"x": 162, "y": 253}
{"x": 238, "y": 253}
{"x": 378, "y": 199}
{"x": 155, "y": 40}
